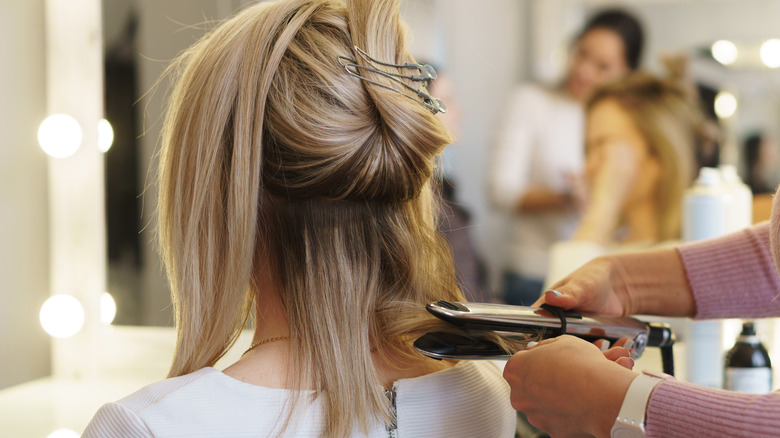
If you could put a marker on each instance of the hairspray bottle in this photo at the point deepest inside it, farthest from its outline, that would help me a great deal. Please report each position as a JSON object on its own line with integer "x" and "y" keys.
{"x": 705, "y": 207}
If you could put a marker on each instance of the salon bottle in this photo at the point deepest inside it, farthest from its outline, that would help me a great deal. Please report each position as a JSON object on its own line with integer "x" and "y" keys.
{"x": 748, "y": 368}
{"x": 739, "y": 213}
{"x": 704, "y": 217}
{"x": 704, "y": 207}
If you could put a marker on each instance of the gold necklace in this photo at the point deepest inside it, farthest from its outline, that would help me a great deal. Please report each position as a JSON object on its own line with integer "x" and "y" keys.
{"x": 265, "y": 341}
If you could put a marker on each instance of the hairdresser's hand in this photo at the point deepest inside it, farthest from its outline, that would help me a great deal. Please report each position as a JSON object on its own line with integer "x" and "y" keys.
{"x": 647, "y": 282}
{"x": 620, "y": 353}
{"x": 569, "y": 387}
{"x": 600, "y": 286}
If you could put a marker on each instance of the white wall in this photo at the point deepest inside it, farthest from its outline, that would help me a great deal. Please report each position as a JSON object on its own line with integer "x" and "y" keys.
{"x": 24, "y": 226}
{"x": 482, "y": 48}
{"x": 77, "y": 219}
{"x": 485, "y": 47}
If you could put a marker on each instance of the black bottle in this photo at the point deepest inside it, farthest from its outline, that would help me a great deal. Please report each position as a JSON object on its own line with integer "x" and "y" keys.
{"x": 748, "y": 368}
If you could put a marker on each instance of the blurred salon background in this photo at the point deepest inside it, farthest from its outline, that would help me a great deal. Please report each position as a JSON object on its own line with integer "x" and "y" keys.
{"x": 85, "y": 315}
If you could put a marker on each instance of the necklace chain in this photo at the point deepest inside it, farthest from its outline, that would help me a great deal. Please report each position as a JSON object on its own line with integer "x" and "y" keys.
{"x": 265, "y": 341}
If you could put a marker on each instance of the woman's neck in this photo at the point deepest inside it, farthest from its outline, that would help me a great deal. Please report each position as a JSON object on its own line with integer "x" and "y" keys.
{"x": 268, "y": 364}
{"x": 270, "y": 315}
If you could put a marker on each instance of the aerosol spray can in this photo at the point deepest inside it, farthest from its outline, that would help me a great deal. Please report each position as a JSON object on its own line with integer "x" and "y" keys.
{"x": 739, "y": 214}
{"x": 704, "y": 207}
{"x": 704, "y": 217}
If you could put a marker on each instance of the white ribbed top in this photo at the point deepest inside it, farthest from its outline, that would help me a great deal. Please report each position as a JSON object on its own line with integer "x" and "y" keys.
{"x": 470, "y": 399}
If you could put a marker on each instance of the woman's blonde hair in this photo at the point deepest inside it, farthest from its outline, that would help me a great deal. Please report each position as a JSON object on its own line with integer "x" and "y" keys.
{"x": 275, "y": 160}
{"x": 665, "y": 115}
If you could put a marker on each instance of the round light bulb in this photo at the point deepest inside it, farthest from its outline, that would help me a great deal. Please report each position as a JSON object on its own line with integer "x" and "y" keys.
{"x": 725, "y": 52}
{"x": 725, "y": 105}
{"x": 770, "y": 53}
{"x": 107, "y": 308}
{"x": 62, "y": 316}
{"x": 59, "y": 135}
{"x": 63, "y": 433}
{"x": 105, "y": 135}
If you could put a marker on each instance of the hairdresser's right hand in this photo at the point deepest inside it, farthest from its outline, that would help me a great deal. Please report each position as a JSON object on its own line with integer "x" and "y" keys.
{"x": 558, "y": 382}
{"x": 600, "y": 286}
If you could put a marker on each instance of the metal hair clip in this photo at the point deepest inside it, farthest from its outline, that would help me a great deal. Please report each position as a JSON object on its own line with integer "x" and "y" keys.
{"x": 425, "y": 73}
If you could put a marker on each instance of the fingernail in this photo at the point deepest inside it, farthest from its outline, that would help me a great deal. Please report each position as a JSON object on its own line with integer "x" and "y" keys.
{"x": 629, "y": 343}
{"x": 604, "y": 345}
{"x": 530, "y": 345}
{"x": 557, "y": 294}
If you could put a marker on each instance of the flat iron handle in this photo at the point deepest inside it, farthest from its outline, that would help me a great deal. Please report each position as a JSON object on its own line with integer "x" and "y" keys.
{"x": 661, "y": 335}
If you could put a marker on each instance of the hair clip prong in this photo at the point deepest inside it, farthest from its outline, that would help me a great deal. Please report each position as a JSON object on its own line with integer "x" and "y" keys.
{"x": 426, "y": 73}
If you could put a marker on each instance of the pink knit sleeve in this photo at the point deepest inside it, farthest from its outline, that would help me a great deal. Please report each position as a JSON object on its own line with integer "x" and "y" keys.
{"x": 733, "y": 276}
{"x": 679, "y": 409}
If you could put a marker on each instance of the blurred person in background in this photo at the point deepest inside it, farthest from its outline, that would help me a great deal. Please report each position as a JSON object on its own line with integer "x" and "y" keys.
{"x": 539, "y": 151}
{"x": 641, "y": 136}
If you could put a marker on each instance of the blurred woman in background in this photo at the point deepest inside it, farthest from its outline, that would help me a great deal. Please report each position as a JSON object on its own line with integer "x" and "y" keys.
{"x": 295, "y": 168}
{"x": 640, "y": 145}
{"x": 539, "y": 151}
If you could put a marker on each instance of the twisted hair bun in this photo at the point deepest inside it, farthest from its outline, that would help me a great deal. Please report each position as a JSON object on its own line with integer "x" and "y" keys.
{"x": 328, "y": 133}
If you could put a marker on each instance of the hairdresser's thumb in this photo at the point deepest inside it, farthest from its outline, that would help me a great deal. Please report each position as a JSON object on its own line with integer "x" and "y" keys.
{"x": 559, "y": 298}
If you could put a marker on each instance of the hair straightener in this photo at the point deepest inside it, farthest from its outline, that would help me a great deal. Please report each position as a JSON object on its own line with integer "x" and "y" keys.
{"x": 543, "y": 322}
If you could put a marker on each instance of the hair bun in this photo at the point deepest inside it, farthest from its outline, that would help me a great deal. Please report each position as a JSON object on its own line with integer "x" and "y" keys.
{"x": 328, "y": 133}
{"x": 389, "y": 161}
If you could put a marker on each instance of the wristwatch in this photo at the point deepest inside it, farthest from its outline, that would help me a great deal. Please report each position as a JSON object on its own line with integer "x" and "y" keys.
{"x": 630, "y": 422}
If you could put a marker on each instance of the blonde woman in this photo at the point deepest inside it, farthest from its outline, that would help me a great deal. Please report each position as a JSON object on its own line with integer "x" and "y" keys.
{"x": 640, "y": 144}
{"x": 294, "y": 185}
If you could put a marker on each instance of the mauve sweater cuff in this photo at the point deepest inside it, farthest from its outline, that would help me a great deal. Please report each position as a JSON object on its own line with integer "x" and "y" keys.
{"x": 733, "y": 276}
{"x": 679, "y": 409}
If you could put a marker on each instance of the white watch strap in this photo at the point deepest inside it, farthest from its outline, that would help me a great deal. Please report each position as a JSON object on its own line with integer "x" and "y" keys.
{"x": 631, "y": 419}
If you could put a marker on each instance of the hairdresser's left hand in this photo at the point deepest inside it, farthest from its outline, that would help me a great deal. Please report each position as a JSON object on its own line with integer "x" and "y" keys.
{"x": 569, "y": 387}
